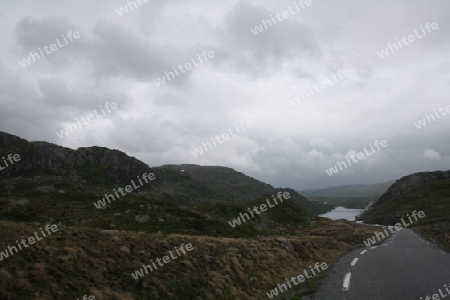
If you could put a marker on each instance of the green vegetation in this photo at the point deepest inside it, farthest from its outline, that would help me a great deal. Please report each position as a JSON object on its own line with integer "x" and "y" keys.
{"x": 227, "y": 184}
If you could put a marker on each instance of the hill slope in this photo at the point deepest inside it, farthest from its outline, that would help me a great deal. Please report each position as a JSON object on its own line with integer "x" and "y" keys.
{"x": 99, "y": 169}
{"x": 236, "y": 187}
{"x": 95, "y": 251}
{"x": 92, "y": 169}
{"x": 426, "y": 191}
{"x": 233, "y": 186}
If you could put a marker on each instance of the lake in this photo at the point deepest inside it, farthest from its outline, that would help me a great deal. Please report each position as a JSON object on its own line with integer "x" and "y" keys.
{"x": 342, "y": 213}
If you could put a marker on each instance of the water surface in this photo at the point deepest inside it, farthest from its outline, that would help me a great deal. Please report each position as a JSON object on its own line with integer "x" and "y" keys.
{"x": 342, "y": 213}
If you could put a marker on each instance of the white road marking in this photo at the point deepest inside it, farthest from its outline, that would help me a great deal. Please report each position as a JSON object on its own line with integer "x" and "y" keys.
{"x": 384, "y": 245}
{"x": 363, "y": 252}
{"x": 346, "y": 284}
{"x": 374, "y": 247}
{"x": 355, "y": 260}
{"x": 393, "y": 239}
{"x": 442, "y": 252}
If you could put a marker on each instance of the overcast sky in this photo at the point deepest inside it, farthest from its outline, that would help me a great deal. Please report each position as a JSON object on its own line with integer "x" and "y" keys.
{"x": 250, "y": 78}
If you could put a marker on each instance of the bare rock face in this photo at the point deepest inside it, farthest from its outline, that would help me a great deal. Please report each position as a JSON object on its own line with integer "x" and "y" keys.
{"x": 125, "y": 249}
{"x": 43, "y": 162}
{"x": 19, "y": 202}
{"x": 412, "y": 181}
{"x": 46, "y": 189}
{"x": 142, "y": 218}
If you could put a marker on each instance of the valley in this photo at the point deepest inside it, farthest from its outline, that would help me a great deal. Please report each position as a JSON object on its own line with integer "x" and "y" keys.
{"x": 97, "y": 251}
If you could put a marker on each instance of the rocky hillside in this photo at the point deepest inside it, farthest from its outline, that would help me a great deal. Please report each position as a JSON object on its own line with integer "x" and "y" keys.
{"x": 426, "y": 191}
{"x": 95, "y": 165}
{"x": 85, "y": 166}
{"x": 95, "y": 169}
{"x": 91, "y": 169}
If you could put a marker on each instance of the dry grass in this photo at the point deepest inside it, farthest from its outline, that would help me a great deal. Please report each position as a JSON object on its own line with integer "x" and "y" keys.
{"x": 77, "y": 261}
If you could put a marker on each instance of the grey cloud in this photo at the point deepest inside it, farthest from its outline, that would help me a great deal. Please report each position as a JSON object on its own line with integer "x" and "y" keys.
{"x": 56, "y": 94}
{"x": 265, "y": 51}
{"x": 33, "y": 34}
{"x": 251, "y": 78}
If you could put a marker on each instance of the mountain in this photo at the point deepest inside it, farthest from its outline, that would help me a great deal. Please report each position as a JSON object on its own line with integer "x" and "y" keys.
{"x": 236, "y": 187}
{"x": 228, "y": 184}
{"x": 349, "y": 196}
{"x": 97, "y": 169}
{"x": 97, "y": 250}
{"x": 92, "y": 169}
{"x": 425, "y": 191}
{"x": 312, "y": 207}
{"x": 65, "y": 182}
{"x": 357, "y": 190}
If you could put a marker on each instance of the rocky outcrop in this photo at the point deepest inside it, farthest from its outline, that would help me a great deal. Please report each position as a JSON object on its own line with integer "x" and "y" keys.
{"x": 95, "y": 165}
{"x": 417, "y": 190}
{"x": 92, "y": 169}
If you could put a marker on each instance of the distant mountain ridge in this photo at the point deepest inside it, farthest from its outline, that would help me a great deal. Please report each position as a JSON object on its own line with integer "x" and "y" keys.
{"x": 357, "y": 190}
{"x": 349, "y": 196}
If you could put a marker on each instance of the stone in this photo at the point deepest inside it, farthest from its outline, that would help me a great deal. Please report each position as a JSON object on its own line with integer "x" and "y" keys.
{"x": 142, "y": 218}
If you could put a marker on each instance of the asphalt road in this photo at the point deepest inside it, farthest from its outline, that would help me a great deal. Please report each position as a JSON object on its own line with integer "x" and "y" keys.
{"x": 403, "y": 267}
